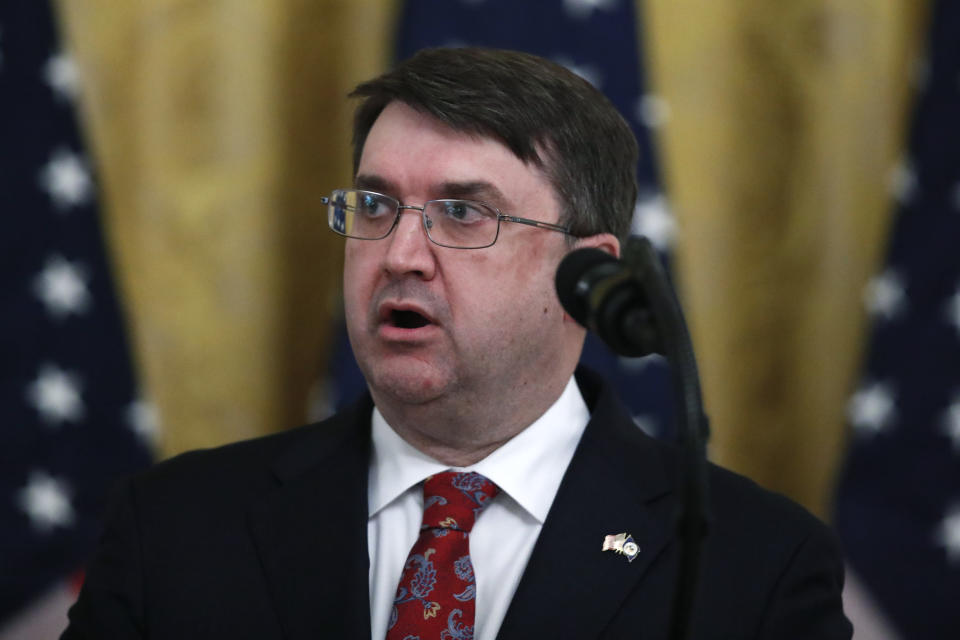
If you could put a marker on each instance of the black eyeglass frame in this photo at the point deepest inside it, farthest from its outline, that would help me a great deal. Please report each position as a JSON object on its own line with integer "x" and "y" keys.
{"x": 329, "y": 202}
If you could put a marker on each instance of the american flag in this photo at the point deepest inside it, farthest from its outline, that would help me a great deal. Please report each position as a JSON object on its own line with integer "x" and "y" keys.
{"x": 600, "y": 41}
{"x": 70, "y": 417}
{"x": 898, "y": 508}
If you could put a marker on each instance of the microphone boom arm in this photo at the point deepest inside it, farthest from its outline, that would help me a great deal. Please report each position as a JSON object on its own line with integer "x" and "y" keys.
{"x": 672, "y": 340}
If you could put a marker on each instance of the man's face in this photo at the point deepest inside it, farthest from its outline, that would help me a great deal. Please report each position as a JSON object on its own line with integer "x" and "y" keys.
{"x": 491, "y": 322}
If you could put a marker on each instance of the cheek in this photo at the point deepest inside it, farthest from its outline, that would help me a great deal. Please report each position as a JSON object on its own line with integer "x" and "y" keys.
{"x": 517, "y": 303}
{"x": 357, "y": 284}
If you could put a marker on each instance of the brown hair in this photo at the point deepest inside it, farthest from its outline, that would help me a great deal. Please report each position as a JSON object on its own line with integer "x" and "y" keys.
{"x": 544, "y": 113}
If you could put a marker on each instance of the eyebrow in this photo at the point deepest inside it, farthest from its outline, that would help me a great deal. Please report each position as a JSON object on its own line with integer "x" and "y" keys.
{"x": 479, "y": 190}
{"x": 374, "y": 183}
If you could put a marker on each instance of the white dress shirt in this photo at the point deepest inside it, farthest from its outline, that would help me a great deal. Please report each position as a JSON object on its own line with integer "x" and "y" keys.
{"x": 528, "y": 469}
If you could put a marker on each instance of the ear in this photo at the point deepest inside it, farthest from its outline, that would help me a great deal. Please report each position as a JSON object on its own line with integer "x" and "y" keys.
{"x": 603, "y": 241}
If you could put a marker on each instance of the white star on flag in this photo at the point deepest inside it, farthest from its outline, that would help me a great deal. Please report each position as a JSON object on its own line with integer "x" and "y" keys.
{"x": 581, "y": 9}
{"x": 56, "y": 395}
{"x": 953, "y": 310}
{"x": 651, "y": 218}
{"x": 903, "y": 181}
{"x": 871, "y": 409}
{"x": 951, "y": 423}
{"x": 62, "y": 75}
{"x": 948, "y": 535}
{"x": 62, "y": 287}
{"x": 588, "y": 72}
{"x": 66, "y": 179}
{"x": 652, "y": 110}
{"x": 884, "y": 296}
{"x": 640, "y": 363}
{"x": 647, "y": 424}
{"x": 46, "y": 500}
{"x": 144, "y": 420}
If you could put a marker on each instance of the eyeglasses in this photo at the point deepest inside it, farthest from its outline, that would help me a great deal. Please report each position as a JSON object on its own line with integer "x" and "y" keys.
{"x": 457, "y": 224}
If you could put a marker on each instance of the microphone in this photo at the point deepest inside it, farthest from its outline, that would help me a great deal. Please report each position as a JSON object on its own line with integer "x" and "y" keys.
{"x": 629, "y": 303}
{"x": 602, "y": 294}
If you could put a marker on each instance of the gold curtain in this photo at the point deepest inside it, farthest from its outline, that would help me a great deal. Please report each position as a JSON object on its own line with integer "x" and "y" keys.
{"x": 786, "y": 119}
{"x": 218, "y": 124}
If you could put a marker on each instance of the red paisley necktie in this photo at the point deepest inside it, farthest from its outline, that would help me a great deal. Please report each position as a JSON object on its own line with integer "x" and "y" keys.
{"x": 435, "y": 598}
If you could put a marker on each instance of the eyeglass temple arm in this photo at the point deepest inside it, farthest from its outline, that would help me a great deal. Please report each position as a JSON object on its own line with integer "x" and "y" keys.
{"x": 536, "y": 223}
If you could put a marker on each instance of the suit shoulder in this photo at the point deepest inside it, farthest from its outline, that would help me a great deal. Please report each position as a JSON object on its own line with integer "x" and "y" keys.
{"x": 764, "y": 544}
{"x": 236, "y": 465}
{"x": 767, "y": 529}
{"x": 738, "y": 498}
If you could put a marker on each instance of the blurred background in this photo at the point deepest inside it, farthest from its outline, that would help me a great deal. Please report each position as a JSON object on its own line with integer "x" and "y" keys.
{"x": 170, "y": 282}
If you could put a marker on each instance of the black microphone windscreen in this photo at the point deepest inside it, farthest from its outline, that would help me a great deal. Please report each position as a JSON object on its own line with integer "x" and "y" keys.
{"x": 570, "y": 272}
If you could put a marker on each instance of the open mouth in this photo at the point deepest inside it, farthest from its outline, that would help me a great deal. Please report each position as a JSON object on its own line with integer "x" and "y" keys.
{"x": 407, "y": 319}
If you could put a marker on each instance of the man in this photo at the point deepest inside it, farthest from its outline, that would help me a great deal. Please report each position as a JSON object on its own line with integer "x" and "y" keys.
{"x": 476, "y": 171}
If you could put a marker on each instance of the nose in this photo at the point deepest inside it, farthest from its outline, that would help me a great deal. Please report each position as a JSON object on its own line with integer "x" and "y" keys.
{"x": 409, "y": 249}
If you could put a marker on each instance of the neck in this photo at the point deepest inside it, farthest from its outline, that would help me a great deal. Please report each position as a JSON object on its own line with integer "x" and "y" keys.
{"x": 460, "y": 432}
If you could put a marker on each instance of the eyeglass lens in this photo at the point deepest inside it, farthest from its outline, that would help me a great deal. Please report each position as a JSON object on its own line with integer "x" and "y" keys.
{"x": 453, "y": 223}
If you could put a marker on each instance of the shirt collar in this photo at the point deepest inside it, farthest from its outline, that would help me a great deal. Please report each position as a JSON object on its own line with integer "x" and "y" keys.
{"x": 528, "y": 467}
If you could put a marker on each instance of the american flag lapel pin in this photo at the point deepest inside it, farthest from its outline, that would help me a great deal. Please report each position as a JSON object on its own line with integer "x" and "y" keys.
{"x": 623, "y": 544}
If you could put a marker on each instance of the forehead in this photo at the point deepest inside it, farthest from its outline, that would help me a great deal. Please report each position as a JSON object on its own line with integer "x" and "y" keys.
{"x": 416, "y": 154}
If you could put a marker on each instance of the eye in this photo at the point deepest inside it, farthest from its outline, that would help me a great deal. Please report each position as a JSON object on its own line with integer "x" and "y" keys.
{"x": 371, "y": 206}
{"x": 463, "y": 211}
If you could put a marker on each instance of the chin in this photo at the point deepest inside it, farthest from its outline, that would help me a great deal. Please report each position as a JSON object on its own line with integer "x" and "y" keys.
{"x": 408, "y": 385}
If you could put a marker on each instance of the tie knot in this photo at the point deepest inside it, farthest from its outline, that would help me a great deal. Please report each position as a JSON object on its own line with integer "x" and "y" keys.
{"x": 453, "y": 500}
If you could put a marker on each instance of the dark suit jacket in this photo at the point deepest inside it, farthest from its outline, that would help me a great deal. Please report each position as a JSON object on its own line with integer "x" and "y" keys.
{"x": 267, "y": 539}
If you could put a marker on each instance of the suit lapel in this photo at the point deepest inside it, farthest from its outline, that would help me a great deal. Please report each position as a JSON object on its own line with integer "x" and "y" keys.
{"x": 311, "y": 532}
{"x": 616, "y": 483}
